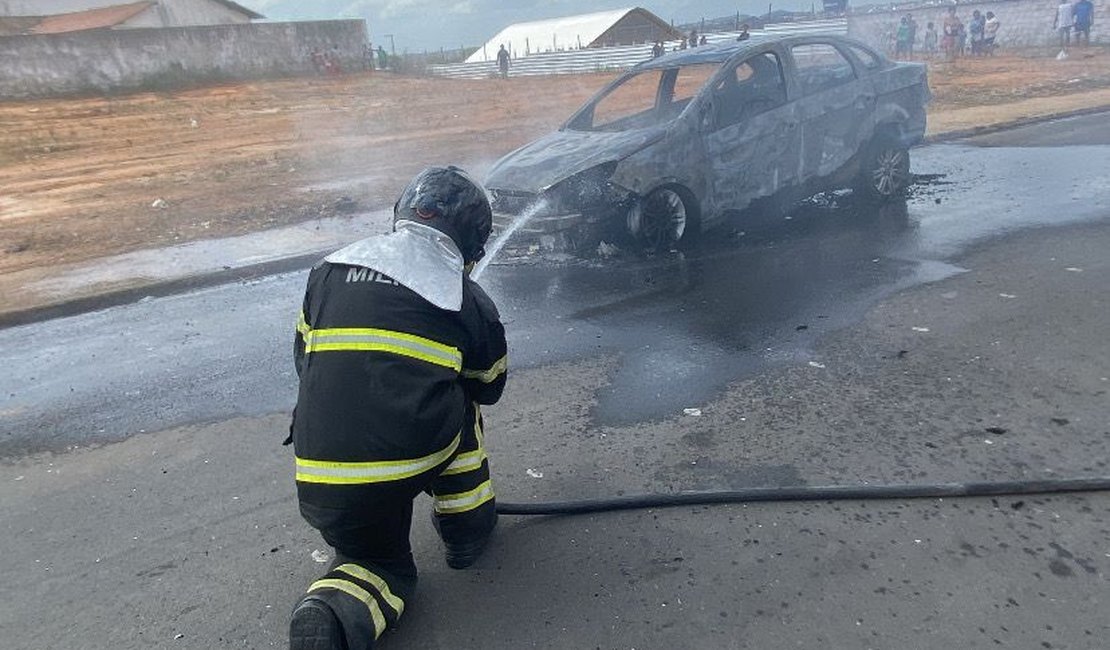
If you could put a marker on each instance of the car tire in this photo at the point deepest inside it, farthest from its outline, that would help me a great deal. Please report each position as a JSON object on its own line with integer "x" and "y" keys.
{"x": 885, "y": 170}
{"x": 662, "y": 220}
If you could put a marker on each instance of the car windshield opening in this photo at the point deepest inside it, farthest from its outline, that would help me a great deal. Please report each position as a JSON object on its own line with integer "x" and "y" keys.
{"x": 646, "y": 99}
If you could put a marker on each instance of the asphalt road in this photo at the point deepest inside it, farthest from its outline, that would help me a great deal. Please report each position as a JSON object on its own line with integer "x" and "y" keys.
{"x": 959, "y": 338}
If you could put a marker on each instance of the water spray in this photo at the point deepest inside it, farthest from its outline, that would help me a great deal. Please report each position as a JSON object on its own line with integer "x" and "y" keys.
{"x": 531, "y": 211}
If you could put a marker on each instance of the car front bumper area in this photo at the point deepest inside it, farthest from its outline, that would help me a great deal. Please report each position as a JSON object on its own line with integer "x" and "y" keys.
{"x": 539, "y": 222}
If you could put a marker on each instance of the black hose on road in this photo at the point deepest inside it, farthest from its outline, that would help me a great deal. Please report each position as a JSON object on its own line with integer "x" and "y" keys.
{"x": 809, "y": 493}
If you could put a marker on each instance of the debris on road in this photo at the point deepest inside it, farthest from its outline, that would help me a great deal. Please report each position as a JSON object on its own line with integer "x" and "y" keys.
{"x": 692, "y": 412}
{"x": 534, "y": 473}
{"x": 921, "y": 329}
{"x": 605, "y": 249}
{"x": 815, "y": 364}
{"x": 319, "y": 556}
{"x": 159, "y": 203}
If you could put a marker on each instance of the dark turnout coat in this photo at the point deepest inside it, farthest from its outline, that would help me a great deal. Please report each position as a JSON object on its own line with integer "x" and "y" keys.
{"x": 388, "y": 380}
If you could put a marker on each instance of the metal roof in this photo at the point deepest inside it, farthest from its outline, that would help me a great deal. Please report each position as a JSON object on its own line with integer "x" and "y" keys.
{"x": 90, "y": 19}
{"x": 565, "y": 33}
{"x": 16, "y": 25}
{"x": 235, "y": 6}
{"x": 104, "y": 17}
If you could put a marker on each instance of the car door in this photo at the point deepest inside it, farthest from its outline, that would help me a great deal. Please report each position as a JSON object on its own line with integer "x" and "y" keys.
{"x": 750, "y": 131}
{"x": 834, "y": 105}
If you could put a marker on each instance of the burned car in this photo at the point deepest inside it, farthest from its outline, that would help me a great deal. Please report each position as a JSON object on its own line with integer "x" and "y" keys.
{"x": 677, "y": 144}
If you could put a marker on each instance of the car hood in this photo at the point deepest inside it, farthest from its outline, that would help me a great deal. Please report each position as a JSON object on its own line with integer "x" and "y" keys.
{"x": 557, "y": 156}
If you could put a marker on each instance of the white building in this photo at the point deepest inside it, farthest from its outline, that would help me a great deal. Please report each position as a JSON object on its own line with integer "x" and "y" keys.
{"x": 601, "y": 29}
{"x": 58, "y": 16}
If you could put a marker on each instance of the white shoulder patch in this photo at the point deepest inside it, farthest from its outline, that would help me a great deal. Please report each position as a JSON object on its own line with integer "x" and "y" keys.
{"x": 416, "y": 256}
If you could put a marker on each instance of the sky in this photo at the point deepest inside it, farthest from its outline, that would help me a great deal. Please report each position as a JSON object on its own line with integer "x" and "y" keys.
{"x": 431, "y": 24}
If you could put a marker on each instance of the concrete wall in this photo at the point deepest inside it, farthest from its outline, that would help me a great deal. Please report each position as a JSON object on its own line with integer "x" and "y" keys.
{"x": 1025, "y": 23}
{"x": 135, "y": 59}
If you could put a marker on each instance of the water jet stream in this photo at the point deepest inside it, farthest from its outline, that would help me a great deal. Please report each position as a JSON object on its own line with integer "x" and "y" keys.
{"x": 524, "y": 217}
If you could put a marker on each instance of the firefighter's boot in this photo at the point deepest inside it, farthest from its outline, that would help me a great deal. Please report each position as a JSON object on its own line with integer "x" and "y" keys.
{"x": 461, "y": 554}
{"x": 315, "y": 627}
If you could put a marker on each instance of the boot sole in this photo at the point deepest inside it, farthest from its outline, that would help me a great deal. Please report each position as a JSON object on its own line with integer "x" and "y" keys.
{"x": 315, "y": 627}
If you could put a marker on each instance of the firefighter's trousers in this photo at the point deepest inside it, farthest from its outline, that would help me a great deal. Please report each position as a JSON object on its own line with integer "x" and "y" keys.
{"x": 374, "y": 575}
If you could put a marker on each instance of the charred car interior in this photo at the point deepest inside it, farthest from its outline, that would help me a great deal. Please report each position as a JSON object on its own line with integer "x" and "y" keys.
{"x": 682, "y": 143}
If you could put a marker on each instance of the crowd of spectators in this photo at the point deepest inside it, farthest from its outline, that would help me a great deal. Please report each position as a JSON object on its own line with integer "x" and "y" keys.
{"x": 952, "y": 40}
{"x": 1072, "y": 22}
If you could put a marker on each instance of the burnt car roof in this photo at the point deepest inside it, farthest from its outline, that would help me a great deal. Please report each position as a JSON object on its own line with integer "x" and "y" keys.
{"x": 723, "y": 51}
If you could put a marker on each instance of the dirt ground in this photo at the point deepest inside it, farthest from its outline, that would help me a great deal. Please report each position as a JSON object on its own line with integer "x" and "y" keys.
{"x": 89, "y": 177}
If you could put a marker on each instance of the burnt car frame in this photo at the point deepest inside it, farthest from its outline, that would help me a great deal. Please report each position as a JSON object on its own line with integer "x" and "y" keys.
{"x": 678, "y": 144}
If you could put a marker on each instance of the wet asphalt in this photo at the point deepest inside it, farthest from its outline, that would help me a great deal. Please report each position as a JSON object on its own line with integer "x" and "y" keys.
{"x": 682, "y": 325}
{"x": 955, "y": 341}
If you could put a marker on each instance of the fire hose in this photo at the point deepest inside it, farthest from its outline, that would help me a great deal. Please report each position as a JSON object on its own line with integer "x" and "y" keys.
{"x": 809, "y": 493}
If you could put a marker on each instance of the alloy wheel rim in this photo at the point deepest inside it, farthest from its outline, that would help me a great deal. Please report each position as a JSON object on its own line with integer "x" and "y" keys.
{"x": 891, "y": 172}
{"x": 664, "y": 218}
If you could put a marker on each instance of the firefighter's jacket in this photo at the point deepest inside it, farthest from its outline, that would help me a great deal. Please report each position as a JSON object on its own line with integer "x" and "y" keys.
{"x": 393, "y": 347}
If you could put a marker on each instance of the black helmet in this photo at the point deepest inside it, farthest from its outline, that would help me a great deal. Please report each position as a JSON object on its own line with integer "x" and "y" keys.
{"x": 447, "y": 199}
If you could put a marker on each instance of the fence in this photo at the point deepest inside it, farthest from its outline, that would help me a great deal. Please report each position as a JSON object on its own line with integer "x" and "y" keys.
{"x": 614, "y": 58}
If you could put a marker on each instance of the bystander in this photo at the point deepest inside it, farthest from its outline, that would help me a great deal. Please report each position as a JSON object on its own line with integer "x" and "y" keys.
{"x": 976, "y": 29}
{"x": 503, "y": 62}
{"x": 990, "y": 33}
{"x": 1062, "y": 23}
{"x": 953, "y": 34}
{"x": 1084, "y": 17}
{"x": 930, "y": 40}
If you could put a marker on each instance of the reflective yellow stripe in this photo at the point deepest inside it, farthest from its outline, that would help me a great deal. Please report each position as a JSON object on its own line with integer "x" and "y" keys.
{"x": 340, "y": 473}
{"x": 361, "y": 573}
{"x": 302, "y": 324}
{"x": 478, "y": 425}
{"x": 378, "y": 340}
{"x": 487, "y": 376}
{"x": 466, "y": 462}
{"x": 359, "y": 593}
{"x": 447, "y": 504}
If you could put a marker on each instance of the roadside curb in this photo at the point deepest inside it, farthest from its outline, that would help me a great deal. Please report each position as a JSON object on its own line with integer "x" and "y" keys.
{"x": 117, "y": 297}
{"x": 960, "y": 134}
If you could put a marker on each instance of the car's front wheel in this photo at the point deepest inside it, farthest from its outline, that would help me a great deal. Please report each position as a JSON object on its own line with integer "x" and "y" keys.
{"x": 885, "y": 172}
{"x": 661, "y": 220}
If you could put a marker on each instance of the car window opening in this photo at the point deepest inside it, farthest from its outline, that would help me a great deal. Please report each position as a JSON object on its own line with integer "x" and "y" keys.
{"x": 754, "y": 86}
{"x": 820, "y": 67}
{"x": 646, "y": 99}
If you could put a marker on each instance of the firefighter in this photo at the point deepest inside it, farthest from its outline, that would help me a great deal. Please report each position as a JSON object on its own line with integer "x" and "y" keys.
{"x": 396, "y": 349}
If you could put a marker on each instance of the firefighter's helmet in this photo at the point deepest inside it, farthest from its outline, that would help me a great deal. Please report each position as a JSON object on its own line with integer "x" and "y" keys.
{"x": 447, "y": 199}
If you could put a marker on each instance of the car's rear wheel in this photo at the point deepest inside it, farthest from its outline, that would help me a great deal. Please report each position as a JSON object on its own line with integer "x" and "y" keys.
{"x": 662, "y": 220}
{"x": 885, "y": 172}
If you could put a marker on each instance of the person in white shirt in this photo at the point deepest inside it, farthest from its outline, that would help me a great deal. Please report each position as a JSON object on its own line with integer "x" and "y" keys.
{"x": 991, "y": 32}
{"x": 1065, "y": 18}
